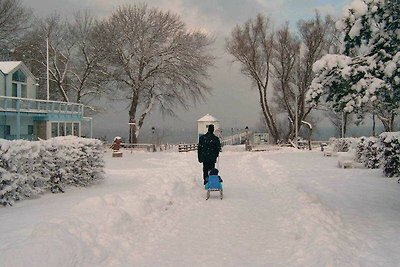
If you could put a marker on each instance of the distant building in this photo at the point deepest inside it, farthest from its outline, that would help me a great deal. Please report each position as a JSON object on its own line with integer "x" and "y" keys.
{"x": 23, "y": 116}
{"x": 260, "y": 138}
{"x": 202, "y": 125}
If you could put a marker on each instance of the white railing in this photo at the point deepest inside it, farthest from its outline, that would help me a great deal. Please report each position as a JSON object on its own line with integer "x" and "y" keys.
{"x": 18, "y": 104}
{"x": 235, "y": 139}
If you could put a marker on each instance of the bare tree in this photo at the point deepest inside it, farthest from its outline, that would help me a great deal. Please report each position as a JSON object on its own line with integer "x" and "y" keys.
{"x": 293, "y": 61}
{"x": 287, "y": 53}
{"x": 74, "y": 57}
{"x": 340, "y": 121}
{"x": 14, "y": 19}
{"x": 32, "y": 50}
{"x": 252, "y": 45}
{"x": 154, "y": 60}
{"x": 317, "y": 36}
{"x": 87, "y": 72}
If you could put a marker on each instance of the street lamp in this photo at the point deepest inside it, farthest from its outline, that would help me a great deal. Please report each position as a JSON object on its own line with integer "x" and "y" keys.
{"x": 153, "y": 130}
{"x": 232, "y": 137}
{"x": 247, "y": 138}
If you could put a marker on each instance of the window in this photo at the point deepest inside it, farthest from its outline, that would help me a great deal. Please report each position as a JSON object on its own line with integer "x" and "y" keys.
{"x": 30, "y": 129}
{"x": 19, "y": 88}
{"x": 61, "y": 129}
{"x": 54, "y": 129}
{"x": 68, "y": 128}
{"x": 7, "y": 130}
{"x": 19, "y": 76}
{"x": 23, "y": 91}
{"x": 14, "y": 90}
{"x": 76, "y": 129}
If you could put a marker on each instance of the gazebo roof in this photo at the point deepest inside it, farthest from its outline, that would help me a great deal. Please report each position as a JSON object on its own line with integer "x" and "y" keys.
{"x": 207, "y": 118}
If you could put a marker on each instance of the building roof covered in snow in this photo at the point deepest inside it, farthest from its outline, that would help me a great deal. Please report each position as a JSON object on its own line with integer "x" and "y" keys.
{"x": 8, "y": 66}
{"x": 207, "y": 117}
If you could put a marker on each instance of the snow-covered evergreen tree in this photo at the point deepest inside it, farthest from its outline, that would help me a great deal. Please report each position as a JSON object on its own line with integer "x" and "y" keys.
{"x": 366, "y": 75}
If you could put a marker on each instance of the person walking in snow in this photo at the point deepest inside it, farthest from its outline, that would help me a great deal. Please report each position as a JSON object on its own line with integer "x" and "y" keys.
{"x": 208, "y": 151}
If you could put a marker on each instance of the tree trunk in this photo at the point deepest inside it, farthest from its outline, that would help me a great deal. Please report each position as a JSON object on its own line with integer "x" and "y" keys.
{"x": 309, "y": 133}
{"x": 373, "y": 125}
{"x": 132, "y": 119}
{"x": 267, "y": 112}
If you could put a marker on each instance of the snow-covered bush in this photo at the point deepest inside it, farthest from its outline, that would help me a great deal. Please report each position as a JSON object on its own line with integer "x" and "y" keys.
{"x": 370, "y": 156}
{"x": 390, "y": 153}
{"x": 343, "y": 144}
{"x": 360, "y": 147}
{"x": 19, "y": 159}
{"x": 29, "y": 168}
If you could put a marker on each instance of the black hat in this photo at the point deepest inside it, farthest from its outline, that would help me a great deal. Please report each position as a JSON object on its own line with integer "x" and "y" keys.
{"x": 214, "y": 171}
{"x": 211, "y": 128}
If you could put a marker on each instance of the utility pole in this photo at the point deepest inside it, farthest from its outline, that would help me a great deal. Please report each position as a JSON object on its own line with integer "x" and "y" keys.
{"x": 47, "y": 69}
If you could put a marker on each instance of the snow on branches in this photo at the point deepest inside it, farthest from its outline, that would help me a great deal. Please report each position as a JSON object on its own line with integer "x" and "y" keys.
{"x": 30, "y": 168}
{"x": 368, "y": 68}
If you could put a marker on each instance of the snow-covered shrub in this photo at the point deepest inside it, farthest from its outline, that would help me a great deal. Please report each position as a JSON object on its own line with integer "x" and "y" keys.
{"x": 343, "y": 144}
{"x": 20, "y": 160}
{"x": 390, "y": 153}
{"x": 8, "y": 187}
{"x": 82, "y": 160}
{"x": 29, "y": 168}
{"x": 370, "y": 157}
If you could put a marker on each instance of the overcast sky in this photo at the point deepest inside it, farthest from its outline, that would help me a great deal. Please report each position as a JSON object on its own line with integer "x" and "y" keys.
{"x": 232, "y": 101}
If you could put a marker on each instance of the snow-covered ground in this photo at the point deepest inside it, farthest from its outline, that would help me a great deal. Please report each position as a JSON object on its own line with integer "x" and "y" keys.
{"x": 280, "y": 208}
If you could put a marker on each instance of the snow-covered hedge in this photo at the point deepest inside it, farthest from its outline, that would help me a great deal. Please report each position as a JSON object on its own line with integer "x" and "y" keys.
{"x": 29, "y": 168}
{"x": 390, "y": 153}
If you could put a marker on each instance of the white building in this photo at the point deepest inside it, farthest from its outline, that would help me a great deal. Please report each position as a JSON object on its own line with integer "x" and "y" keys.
{"x": 23, "y": 116}
{"x": 202, "y": 125}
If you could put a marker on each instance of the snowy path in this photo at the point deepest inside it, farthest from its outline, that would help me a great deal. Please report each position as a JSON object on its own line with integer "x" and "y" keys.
{"x": 280, "y": 208}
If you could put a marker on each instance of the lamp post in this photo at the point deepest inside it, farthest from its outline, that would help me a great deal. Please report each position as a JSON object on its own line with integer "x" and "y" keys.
{"x": 233, "y": 137}
{"x": 153, "y": 130}
{"x": 246, "y": 144}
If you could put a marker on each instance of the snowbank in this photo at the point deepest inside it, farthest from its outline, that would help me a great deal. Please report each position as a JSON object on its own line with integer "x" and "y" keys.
{"x": 281, "y": 208}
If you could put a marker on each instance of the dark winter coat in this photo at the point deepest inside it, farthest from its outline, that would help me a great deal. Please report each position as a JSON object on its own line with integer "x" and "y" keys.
{"x": 209, "y": 147}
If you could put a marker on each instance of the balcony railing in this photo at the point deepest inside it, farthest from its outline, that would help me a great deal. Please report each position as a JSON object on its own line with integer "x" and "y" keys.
{"x": 17, "y": 104}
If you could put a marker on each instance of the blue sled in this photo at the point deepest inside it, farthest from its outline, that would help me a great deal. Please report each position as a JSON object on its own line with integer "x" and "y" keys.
{"x": 213, "y": 184}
